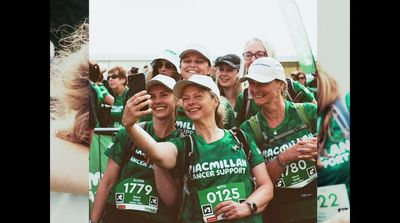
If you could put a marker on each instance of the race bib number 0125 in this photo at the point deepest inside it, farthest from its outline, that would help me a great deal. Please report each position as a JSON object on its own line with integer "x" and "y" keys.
{"x": 212, "y": 196}
{"x": 136, "y": 194}
{"x": 331, "y": 200}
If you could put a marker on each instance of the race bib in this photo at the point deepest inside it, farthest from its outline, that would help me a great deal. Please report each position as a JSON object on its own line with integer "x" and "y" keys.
{"x": 297, "y": 174}
{"x": 136, "y": 194}
{"x": 212, "y": 196}
{"x": 332, "y": 200}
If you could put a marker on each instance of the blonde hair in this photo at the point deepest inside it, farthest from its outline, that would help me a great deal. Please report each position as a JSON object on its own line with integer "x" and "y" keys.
{"x": 328, "y": 93}
{"x": 69, "y": 76}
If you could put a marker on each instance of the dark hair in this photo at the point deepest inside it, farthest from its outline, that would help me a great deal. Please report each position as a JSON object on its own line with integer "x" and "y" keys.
{"x": 94, "y": 72}
{"x": 134, "y": 70}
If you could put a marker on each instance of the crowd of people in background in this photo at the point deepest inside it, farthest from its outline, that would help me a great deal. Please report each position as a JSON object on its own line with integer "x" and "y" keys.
{"x": 235, "y": 139}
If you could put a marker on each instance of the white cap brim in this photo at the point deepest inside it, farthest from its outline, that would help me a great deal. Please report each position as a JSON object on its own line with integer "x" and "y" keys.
{"x": 163, "y": 80}
{"x": 257, "y": 77}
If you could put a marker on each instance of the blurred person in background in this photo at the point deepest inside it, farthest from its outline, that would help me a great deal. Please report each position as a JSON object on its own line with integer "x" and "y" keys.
{"x": 118, "y": 81}
{"x": 300, "y": 77}
{"x": 69, "y": 128}
{"x": 166, "y": 63}
{"x": 334, "y": 144}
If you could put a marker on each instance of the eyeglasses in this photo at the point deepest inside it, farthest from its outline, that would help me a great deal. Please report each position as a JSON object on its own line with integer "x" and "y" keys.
{"x": 112, "y": 76}
{"x": 301, "y": 78}
{"x": 258, "y": 54}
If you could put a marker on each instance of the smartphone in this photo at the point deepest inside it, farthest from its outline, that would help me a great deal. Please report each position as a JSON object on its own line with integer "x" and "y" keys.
{"x": 136, "y": 83}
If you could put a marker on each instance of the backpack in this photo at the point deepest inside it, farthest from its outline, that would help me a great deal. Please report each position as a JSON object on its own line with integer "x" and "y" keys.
{"x": 341, "y": 114}
{"x": 255, "y": 126}
{"x": 237, "y": 134}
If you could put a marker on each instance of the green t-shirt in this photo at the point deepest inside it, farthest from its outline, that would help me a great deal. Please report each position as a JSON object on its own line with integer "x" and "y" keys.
{"x": 103, "y": 90}
{"x": 99, "y": 94}
{"x": 337, "y": 166}
{"x": 117, "y": 109}
{"x": 182, "y": 123}
{"x": 214, "y": 164}
{"x": 97, "y": 164}
{"x": 305, "y": 96}
{"x": 137, "y": 174}
{"x": 297, "y": 174}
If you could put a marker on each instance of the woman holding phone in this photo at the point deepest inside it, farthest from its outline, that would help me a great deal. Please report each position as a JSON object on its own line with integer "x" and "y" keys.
{"x": 128, "y": 191}
{"x": 219, "y": 164}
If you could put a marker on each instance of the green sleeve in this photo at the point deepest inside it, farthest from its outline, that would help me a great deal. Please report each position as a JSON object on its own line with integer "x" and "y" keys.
{"x": 256, "y": 156}
{"x": 245, "y": 126}
{"x": 177, "y": 172}
{"x": 311, "y": 111}
{"x": 238, "y": 104}
{"x": 347, "y": 96}
{"x": 307, "y": 95}
{"x": 100, "y": 98}
{"x": 118, "y": 149}
{"x": 238, "y": 109}
{"x": 104, "y": 91}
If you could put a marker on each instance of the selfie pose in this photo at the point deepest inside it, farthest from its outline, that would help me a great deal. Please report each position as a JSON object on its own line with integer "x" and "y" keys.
{"x": 218, "y": 164}
{"x": 128, "y": 191}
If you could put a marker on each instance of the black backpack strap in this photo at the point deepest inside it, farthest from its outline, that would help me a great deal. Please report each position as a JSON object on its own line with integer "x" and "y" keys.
{"x": 186, "y": 175}
{"x": 290, "y": 89}
{"x": 242, "y": 140}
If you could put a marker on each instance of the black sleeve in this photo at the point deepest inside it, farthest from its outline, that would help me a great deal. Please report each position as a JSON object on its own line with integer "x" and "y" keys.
{"x": 92, "y": 107}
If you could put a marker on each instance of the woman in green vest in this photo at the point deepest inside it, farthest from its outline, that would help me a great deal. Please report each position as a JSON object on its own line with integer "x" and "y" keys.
{"x": 284, "y": 132}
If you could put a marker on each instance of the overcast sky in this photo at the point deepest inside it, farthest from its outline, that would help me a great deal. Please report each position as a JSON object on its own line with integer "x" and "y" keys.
{"x": 140, "y": 29}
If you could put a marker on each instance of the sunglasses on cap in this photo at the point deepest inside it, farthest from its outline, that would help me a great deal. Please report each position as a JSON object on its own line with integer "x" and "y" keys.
{"x": 112, "y": 76}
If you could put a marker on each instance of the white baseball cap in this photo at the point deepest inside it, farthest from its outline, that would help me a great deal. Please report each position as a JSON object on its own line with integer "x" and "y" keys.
{"x": 264, "y": 70}
{"x": 161, "y": 79}
{"x": 199, "y": 80}
{"x": 198, "y": 49}
{"x": 168, "y": 55}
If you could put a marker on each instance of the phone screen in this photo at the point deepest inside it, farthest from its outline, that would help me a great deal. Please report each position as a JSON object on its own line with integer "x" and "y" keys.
{"x": 136, "y": 83}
